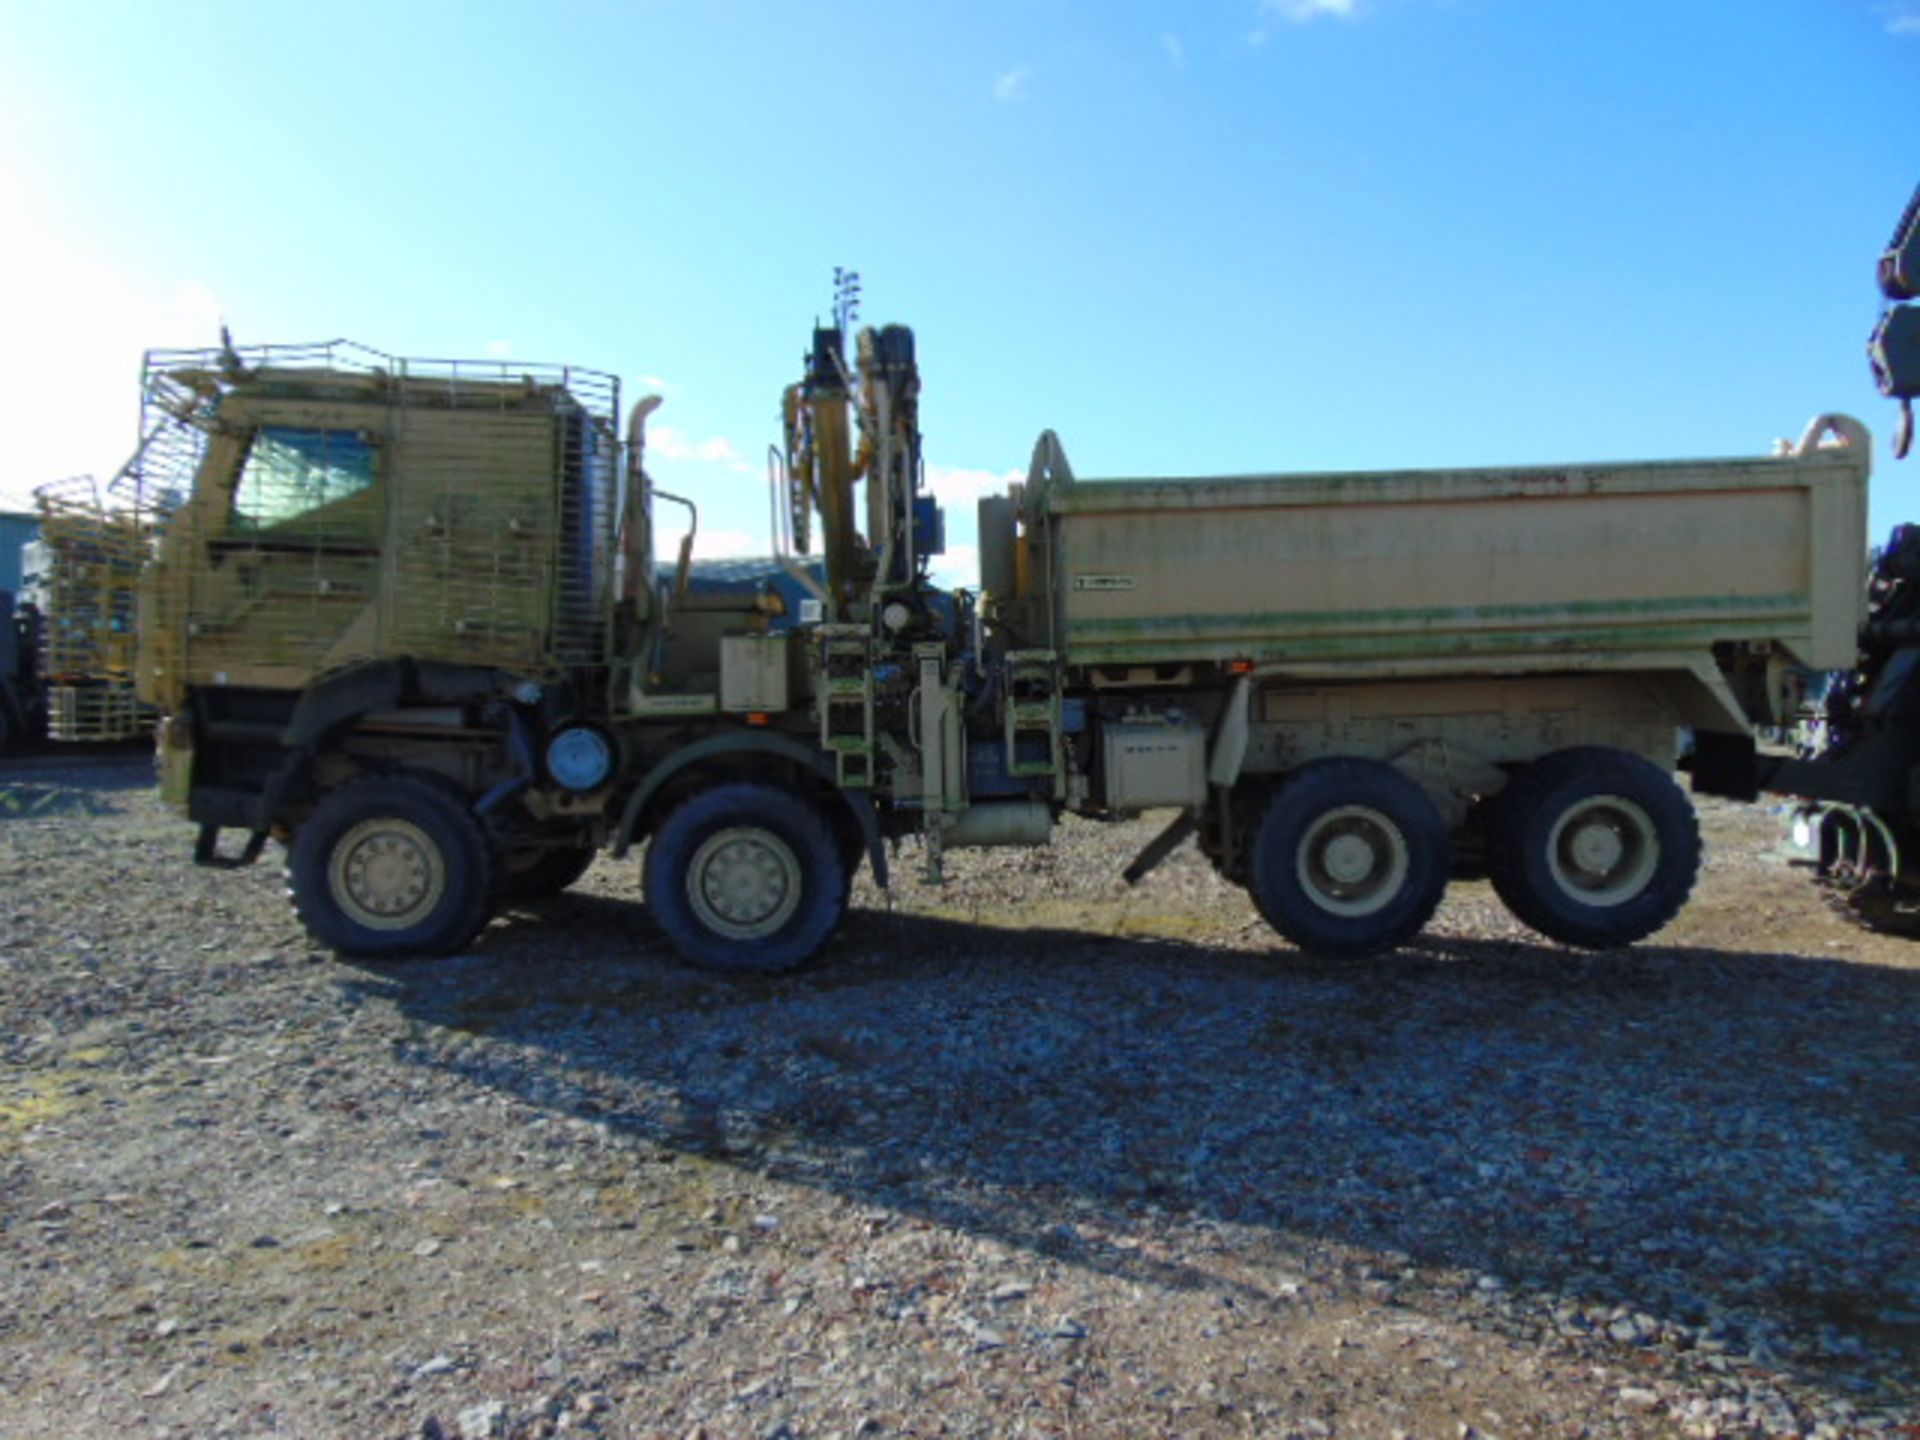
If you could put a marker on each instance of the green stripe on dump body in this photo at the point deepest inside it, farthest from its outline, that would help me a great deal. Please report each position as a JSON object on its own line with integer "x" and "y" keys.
{"x": 1575, "y": 628}
{"x": 1574, "y": 612}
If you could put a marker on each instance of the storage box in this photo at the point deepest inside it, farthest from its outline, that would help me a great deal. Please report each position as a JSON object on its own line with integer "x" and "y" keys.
{"x": 753, "y": 673}
{"x": 1149, "y": 766}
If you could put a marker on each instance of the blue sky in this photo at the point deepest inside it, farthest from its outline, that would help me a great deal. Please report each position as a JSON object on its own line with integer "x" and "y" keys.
{"x": 1213, "y": 236}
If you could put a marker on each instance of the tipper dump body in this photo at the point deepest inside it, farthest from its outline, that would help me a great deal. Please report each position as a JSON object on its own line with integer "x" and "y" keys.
{"x": 1422, "y": 572}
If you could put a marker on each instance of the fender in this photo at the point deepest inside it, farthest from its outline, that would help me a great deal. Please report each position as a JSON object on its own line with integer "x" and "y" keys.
{"x": 751, "y": 743}
{"x": 318, "y": 712}
{"x": 339, "y": 698}
{"x": 385, "y": 685}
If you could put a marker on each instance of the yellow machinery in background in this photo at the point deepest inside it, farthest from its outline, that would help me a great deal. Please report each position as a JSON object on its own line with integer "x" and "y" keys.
{"x": 92, "y": 547}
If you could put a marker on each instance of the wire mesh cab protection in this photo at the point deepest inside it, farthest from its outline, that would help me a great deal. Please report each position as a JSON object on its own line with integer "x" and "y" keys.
{"x": 331, "y": 505}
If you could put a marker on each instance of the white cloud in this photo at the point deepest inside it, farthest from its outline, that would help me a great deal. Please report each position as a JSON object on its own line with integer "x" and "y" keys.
{"x": 666, "y": 442}
{"x": 1176, "y": 52}
{"x": 1274, "y": 13}
{"x": 955, "y": 486}
{"x": 499, "y": 349}
{"x": 960, "y": 566}
{"x": 669, "y": 444}
{"x": 1902, "y": 18}
{"x": 707, "y": 544}
{"x": 655, "y": 384}
{"x": 1299, "y": 12}
{"x": 1012, "y": 85}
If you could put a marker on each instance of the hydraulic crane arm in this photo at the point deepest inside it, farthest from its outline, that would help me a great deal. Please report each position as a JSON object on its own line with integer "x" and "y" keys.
{"x": 1894, "y": 347}
{"x": 1900, "y": 266}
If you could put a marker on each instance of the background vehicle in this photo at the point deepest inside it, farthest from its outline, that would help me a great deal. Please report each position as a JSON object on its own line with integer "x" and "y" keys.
{"x": 22, "y": 711}
{"x": 87, "y": 561}
{"x": 1860, "y": 827}
{"x": 406, "y": 619}
{"x": 22, "y": 702}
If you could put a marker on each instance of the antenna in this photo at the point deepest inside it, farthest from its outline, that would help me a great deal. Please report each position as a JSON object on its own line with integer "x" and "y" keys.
{"x": 846, "y": 298}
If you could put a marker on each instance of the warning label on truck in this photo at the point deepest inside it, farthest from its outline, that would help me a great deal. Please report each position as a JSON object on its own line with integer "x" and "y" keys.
{"x": 1103, "y": 582}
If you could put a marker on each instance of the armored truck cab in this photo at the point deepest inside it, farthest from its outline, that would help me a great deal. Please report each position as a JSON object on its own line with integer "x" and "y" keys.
{"x": 401, "y": 616}
{"x": 365, "y": 542}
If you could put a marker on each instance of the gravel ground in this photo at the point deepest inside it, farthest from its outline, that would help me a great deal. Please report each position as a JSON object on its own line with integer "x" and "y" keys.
{"x": 1029, "y": 1155}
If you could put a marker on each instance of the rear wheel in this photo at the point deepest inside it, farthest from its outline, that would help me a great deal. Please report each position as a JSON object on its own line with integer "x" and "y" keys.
{"x": 746, "y": 878}
{"x": 1594, "y": 847}
{"x": 389, "y": 866}
{"x": 532, "y": 874}
{"x": 1350, "y": 859}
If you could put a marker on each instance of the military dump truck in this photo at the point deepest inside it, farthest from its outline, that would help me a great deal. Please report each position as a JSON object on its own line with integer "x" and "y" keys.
{"x": 406, "y": 618}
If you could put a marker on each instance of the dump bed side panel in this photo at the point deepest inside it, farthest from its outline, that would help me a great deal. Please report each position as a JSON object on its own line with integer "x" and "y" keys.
{"x": 1477, "y": 564}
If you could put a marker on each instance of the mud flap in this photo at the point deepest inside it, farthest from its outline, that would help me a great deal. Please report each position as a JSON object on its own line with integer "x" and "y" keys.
{"x": 206, "y": 850}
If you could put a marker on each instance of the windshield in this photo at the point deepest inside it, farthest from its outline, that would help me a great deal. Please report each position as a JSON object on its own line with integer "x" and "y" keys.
{"x": 293, "y": 472}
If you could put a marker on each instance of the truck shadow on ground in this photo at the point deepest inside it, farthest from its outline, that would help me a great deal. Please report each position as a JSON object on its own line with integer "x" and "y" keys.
{"x": 1693, "y": 1135}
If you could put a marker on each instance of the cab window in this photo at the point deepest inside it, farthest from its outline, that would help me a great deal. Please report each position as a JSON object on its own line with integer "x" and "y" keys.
{"x": 292, "y": 473}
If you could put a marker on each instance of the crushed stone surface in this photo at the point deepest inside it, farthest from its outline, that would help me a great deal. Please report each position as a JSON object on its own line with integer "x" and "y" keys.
{"x": 1031, "y": 1154}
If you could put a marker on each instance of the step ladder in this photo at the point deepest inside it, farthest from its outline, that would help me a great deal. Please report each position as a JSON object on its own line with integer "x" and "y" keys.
{"x": 1030, "y": 703}
{"x": 844, "y": 699}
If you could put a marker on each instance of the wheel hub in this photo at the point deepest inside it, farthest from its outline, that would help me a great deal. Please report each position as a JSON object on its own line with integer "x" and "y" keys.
{"x": 744, "y": 883}
{"x": 1604, "y": 850}
{"x": 1348, "y": 859}
{"x": 1597, "y": 849}
{"x": 387, "y": 874}
{"x": 1353, "y": 861}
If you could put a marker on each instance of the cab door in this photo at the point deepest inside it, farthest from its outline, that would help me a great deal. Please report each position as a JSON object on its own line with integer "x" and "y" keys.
{"x": 290, "y": 565}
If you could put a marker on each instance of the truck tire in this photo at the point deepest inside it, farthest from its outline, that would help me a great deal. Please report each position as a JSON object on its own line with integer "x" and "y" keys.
{"x": 1593, "y": 847}
{"x": 1349, "y": 860}
{"x": 536, "y": 873}
{"x": 390, "y": 866}
{"x": 746, "y": 878}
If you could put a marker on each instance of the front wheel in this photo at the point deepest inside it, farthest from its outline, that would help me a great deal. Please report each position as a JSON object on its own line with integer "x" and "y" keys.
{"x": 1593, "y": 847}
{"x": 390, "y": 866}
{"x": 746, "y": 878}
{"x": 1349, "y": 860}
